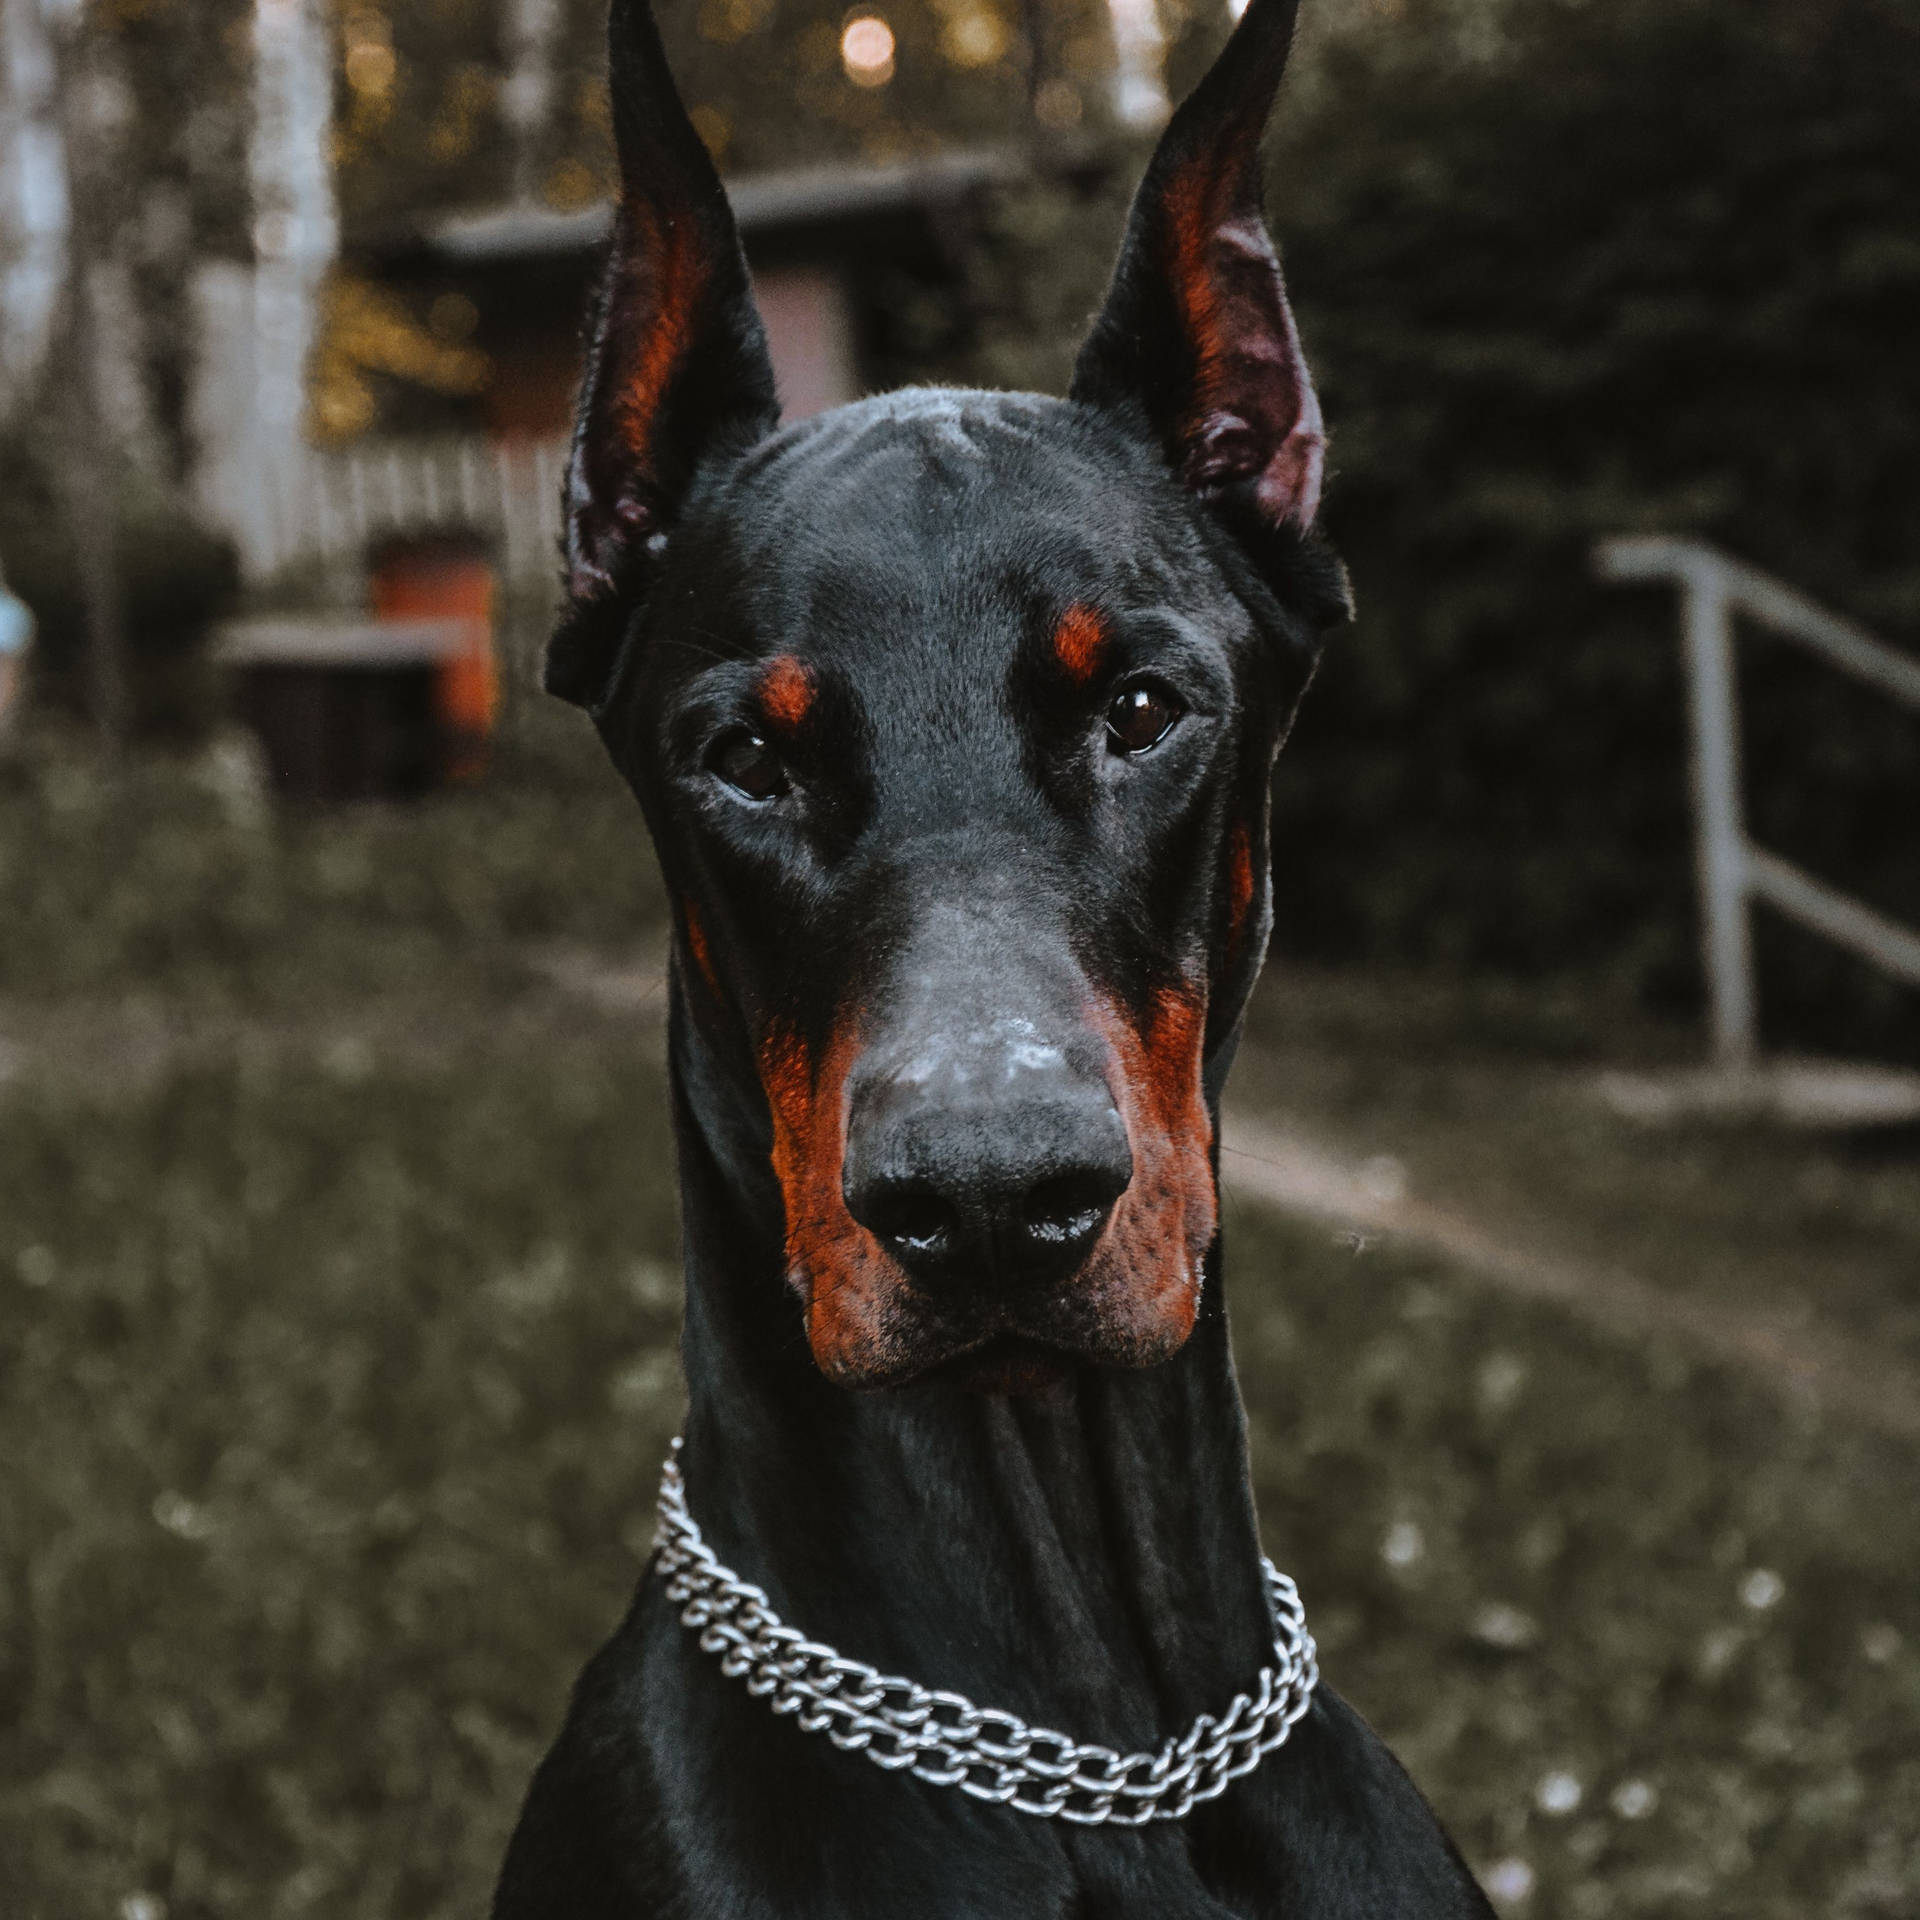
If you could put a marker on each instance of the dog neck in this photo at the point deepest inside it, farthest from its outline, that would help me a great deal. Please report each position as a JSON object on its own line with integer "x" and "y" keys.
{"x": 1086, "y": 1556}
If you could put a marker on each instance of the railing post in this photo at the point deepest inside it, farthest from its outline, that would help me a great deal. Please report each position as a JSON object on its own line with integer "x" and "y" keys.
{"x": 1726, "y": 942}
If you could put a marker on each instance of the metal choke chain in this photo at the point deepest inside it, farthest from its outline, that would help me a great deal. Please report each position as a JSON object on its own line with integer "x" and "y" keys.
{"x": 943, "y": 1738}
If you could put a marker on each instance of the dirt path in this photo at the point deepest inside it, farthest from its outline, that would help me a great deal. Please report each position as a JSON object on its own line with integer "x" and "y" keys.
{"x": 1788, "y": 1350}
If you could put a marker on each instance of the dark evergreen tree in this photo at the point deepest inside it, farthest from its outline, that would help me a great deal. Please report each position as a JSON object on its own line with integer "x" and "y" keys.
{"x": 1650, "y": 265}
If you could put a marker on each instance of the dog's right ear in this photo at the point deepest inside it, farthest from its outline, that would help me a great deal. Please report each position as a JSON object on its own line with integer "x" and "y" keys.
{"x": 677, "y": 364}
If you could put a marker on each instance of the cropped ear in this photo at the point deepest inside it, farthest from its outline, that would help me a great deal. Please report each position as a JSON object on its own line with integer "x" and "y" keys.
{"x": 677, "y": 362}
{"x": 1196, "y": 334}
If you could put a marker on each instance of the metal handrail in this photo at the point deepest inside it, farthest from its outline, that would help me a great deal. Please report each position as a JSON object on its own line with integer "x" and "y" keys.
{"x": 1732, "y": 870}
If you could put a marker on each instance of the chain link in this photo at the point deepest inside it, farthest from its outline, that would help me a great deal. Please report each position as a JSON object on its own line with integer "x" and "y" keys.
{"x": 943, "y": 1738}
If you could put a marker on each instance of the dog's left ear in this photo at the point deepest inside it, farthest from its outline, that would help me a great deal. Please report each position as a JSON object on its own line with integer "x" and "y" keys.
{"x": 1196, "y": 337}
{"x": 677, "y": 365}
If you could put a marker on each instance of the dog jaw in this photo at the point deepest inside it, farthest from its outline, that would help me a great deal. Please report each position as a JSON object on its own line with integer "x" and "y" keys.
{"x": 857, "y": 1324}
{"x": 1139, "y": 1292}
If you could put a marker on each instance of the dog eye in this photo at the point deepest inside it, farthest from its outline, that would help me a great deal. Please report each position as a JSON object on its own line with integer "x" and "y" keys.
{"x": 749, "y": 766}
{"x": 1141, "y": 717}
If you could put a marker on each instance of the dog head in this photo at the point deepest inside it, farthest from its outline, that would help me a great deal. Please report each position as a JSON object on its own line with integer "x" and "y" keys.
{"x": 953, "y": 715}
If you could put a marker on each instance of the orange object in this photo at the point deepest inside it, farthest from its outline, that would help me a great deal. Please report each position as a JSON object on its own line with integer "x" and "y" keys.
{"x": 449, "y": 581}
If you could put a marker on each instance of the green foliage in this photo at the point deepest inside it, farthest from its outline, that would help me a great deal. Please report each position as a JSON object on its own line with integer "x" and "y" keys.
{"x": 1636, "y": 266}
{"x": 1037, "y": 268}
{"x": 174, "y": 578}
{"x": 187, "y": 65}
{"x": 175, "y": 874}
{"x": 422, "y": 127}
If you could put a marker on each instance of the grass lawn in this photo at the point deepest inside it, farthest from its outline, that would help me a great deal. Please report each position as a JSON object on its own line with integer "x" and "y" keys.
{"x": 336, "y": 1364}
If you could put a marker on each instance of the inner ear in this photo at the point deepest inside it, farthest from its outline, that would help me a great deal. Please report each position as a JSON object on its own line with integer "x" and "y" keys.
{"x": 677, "y": 365}
{"x": 1196, "y": 334}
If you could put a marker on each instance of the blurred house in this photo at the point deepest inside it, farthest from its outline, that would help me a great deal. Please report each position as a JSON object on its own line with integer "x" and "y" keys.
{"x": 837, "y": 252}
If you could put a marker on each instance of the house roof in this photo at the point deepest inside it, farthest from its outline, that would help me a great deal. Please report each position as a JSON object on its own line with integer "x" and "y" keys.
{"x": 762, "y": 203}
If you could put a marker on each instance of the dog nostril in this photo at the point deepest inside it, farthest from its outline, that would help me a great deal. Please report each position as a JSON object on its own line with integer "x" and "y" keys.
{"x": 1064, "y": 1211}
{"x": 916, "y": 1221}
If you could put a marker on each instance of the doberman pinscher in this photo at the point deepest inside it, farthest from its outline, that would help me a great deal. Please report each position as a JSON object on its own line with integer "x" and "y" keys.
{"x": 952, "y": 715}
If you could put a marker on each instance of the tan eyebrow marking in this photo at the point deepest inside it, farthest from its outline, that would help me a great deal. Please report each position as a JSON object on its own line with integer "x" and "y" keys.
{"x": 1079, "y": 639}
{"x": 786, "y": 691}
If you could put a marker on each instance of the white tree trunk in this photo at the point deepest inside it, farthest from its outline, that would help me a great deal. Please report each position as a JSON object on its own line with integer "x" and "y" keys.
{"x": 1139, "y": 63}
{"x": 257, "y": 328}
{"x": 533, "y": 27}
{"x": 35, "y": 206}
{"x": 296, "y": 227}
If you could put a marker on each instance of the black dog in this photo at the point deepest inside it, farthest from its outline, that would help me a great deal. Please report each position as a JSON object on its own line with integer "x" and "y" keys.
{"x": 952, "y": 715}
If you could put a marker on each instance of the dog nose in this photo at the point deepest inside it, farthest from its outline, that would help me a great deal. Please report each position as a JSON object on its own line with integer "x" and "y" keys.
{"x": 987, "y": 1195}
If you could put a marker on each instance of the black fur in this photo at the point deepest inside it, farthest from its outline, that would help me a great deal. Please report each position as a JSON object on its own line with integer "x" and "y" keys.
{"x": 1021, "y": 1506}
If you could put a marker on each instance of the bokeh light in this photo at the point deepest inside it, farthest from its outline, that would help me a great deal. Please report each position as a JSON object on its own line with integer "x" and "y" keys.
{"x": 866, "y": 50}
{"x": 974, "y": 36}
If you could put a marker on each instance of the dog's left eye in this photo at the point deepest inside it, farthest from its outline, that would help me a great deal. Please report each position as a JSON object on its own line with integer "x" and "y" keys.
{"x": 749, "y": 766}
{"x": 1141, "y": 717}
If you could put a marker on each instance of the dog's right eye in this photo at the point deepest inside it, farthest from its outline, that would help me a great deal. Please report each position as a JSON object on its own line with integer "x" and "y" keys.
{"x": 747, "y": 764}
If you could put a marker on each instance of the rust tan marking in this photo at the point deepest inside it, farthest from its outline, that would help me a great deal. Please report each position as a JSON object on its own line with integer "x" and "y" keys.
{"x": 1193, "y": 217}
{"x": 786, "y": 691}
{"x": 840, "y": 1271}
{"x": 1079, "y": 640}
{"x": 697, "y": 946}
{"x": 667, "y": 262}
{"x": 1239, "y": 891}
{"x": 1140, "y": 1291}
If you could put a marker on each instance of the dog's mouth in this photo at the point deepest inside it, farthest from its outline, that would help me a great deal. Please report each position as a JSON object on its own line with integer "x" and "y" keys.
{"x": 1130, "y": 1304}
{"x": 1107, "y": 1315}
{"x": 1002, "y": 1363}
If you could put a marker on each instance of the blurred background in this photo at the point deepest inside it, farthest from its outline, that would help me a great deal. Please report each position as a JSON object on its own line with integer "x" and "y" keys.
{"x": 1573, "y": 1161}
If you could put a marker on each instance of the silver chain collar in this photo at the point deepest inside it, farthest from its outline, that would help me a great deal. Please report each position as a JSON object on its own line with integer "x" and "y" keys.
{"x": 943, "y": 1738}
